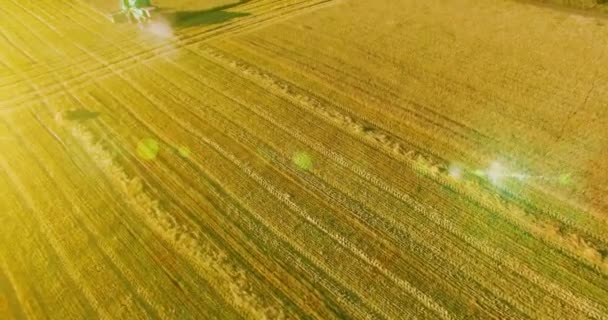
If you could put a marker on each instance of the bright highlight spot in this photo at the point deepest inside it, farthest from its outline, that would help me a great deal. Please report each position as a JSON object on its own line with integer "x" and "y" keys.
{"x": 184, "y": 151}
{"x": 302, "y": 160}
{"x": 565, "y": 179}
{"x": 520, "y": 176}
{"x": 160, "y": 29}
{"x": 479, "y": 173}
{"x": 147, "y": 148}
{"x": 496, "y": 172}
{"x": 455, "y": 171}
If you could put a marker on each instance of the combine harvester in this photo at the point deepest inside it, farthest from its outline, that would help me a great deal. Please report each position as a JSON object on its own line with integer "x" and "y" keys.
{"x": 138, "y": 11}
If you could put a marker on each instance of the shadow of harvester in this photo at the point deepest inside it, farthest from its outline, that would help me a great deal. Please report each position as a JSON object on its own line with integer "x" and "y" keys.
{"x": 183, "y": 19}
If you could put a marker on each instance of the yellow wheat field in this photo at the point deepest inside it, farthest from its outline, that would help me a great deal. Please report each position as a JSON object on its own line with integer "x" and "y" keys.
{"x": 296, "y": 159}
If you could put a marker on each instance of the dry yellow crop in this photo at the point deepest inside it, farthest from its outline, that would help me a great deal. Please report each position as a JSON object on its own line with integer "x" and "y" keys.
{"x": 297, "y": 159}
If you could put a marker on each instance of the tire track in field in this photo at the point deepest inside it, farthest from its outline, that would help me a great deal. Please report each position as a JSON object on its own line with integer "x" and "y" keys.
{"x": 280, "y": 195}
{"x": 545, "y": 287}
{"x": 12, "y": 43}
{"x": 213, "y": 123}
{"x": 425, "y": 300}
{"x": 590, "y": 308}
{"x": 37, "y": 91}
{"x": 342, "y": 295}
{"x": 207, "y": 258}
{"x": 240, "y": 140}
{"x": 102, "y": 19}
{"x": 28, "y": 295}
{"x": 193, "y": 131}
{"x": 76, "y": 277}
{"x": 531, "y": 275}
{"x": 130, "y": 274}
{"x": 382, "y": 140}
{"x": 469, "y": 131}
{"x": 124, "y": 64}
{"x": 326, "y": 283}
{"x": 79, "y": 205}
{"x": 121, "y": 60}
{"x": 123, "y": 271}
{"x": 53, "y": 90}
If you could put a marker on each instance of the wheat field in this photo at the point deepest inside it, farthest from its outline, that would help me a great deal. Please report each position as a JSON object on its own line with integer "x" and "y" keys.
{"x": 303, "y": 159}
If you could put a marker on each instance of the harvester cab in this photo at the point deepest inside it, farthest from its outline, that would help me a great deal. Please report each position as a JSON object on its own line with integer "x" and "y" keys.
{"x": 133, "y": 11}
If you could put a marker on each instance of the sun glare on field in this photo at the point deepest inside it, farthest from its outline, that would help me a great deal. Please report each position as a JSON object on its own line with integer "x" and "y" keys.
{"x": 184, "y": 151}
{"x": 496, "y": 172}
{"x": 302, "y": 160}
{"x": 148, "y": 148}
{"x": 160, "y": 29}
{"x": 455, "y": 171}
{"x": 157, "y": 32}
{"x": 565, "y": 179}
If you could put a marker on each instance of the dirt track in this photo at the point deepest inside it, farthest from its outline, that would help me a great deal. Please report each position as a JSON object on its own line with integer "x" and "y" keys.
{"x": 285, "y": 159}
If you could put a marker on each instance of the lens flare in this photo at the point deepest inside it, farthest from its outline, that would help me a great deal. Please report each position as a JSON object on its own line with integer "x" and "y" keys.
{"x": 147, "y": 148}
{"x": 496, "y": 172}
{"x": 455, "y": 171}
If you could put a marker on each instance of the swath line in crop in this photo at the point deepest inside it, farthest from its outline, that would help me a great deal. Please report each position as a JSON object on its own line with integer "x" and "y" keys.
{"x": 26, "y": 291}
{"x": 78, "y": 205}
{"x": 258, "y": 40}
{"x": 285, "y": 129}
{"x": 227, "y": 200}
{"x": 164, "y": 49}
{"x": 403, "y": 114}
{"x": 186, "y": 240}
{"x": 77, "y": 278}
{"x": 331, "y": 287}
{"x": 159, "y": 106}
{"x": 394, "y": 278}
{"x": 125, "y": 271}
{"x": 580, "y": 303}
{"x": 425, "y": 300}
{"x": 388, "y": 188}
{"x": 130, "y": 273}
{"x": 417, "y": 162}
{"x": 212, "y": 122}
